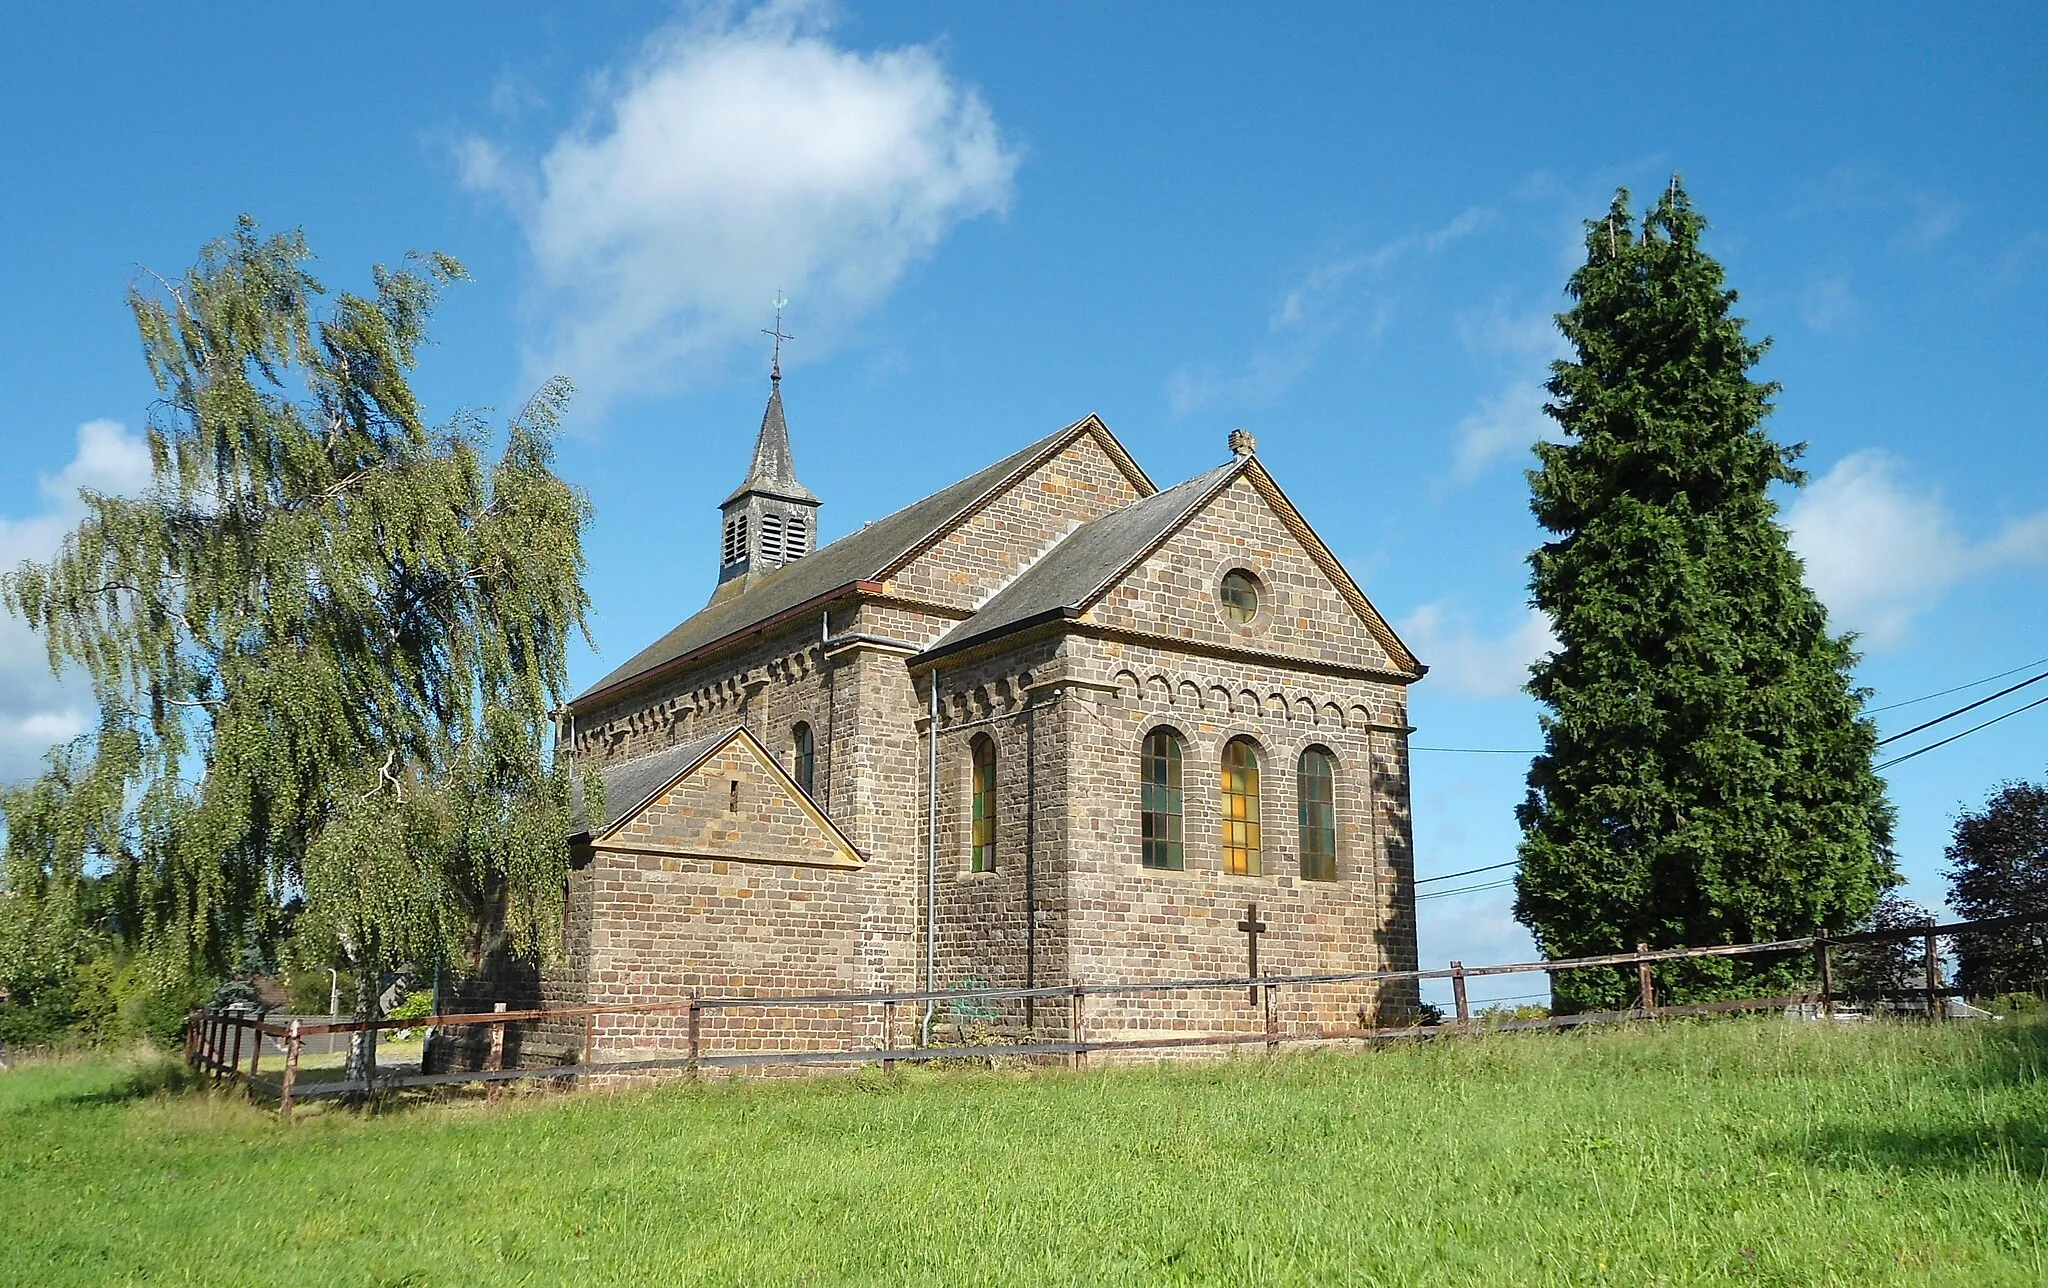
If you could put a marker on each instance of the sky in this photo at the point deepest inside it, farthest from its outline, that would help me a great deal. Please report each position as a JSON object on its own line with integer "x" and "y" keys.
{"x": 1343, "y": 227}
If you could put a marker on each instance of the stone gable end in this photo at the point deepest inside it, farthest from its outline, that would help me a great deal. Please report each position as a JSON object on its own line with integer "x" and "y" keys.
{"x": 989, "y": 547}
{"x": 733, "y": 806}
{"x": 1174, "y": 592}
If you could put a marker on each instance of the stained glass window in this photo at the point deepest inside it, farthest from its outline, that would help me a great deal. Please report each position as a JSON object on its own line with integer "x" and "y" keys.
{"x": 984, "y": 804}
{"x": 1241, "y": 808}
{"x": 1316, "y": 790}
{"x": 1159, "y": 803}
{"x": 1240, "y": 595}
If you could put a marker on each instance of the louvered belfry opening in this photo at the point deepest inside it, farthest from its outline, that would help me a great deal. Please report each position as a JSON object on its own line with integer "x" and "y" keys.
{"x": 771, "y": 518}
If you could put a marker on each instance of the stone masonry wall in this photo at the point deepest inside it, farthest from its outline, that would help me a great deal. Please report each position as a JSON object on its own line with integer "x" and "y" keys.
{"x": 1131, "y": 922}
{"x": 994, "y": 544}
{"x": 1301, "y": 614}
{"x": 733, "y": 807}
{"x": 1002, "y": 928}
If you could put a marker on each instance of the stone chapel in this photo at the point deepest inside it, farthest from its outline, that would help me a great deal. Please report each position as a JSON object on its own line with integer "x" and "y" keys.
{"x": 1050, "y": 723}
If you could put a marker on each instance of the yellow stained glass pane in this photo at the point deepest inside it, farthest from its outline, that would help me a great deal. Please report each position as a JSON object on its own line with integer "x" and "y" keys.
{"x": 1241, "y": 809}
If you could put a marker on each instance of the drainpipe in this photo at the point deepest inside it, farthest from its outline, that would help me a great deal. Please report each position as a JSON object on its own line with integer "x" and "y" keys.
{"x": 1030, "y": 863}
{"x": 931, "y": 871}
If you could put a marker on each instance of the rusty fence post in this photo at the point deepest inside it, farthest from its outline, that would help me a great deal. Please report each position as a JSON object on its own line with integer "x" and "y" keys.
{"x": 589, "y": 1037}
{"x": 1464, "y": 1008}
{"x": 291, "y": 1073}
{"x": 234, "y": 1069}
{"x": 1824, "y": 961}
{"x": 191, "y": 1037}
{"x": 1077, "y": 1019}
{"x": 888, "y": 1035}
{"x": 255, "y": 1047}
{"x": 497, "y": 1061}
{"x": 696, "y": 1025}
{"x": 1646, "y": 983}
{"x": 1937, "y": 1005}
{"x": 1272, "y": 1019}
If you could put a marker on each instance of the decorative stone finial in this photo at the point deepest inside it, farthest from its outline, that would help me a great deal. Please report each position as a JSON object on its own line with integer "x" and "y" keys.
{"x": 1242, "y": 443}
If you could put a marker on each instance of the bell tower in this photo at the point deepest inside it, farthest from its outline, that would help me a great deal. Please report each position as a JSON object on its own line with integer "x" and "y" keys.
{"x": 771, "y": 519}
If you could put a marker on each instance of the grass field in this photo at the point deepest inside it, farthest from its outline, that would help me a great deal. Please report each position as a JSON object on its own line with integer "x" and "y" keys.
{"x": 1738, "y": 1152}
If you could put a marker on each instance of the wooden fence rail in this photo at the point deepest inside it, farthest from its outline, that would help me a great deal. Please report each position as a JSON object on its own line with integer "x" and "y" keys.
{"x": 214, "y": 1039}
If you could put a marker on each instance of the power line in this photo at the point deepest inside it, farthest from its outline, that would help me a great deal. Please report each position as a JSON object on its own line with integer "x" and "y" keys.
{"x": 1482, "y": 751}
{"x": 1899, "y": 760}
{"x": 1942, "y": 693}
{"x": 1959, "y": 710}
{"x": 1445, "y": 876}
{"x": 1472, "y": 889}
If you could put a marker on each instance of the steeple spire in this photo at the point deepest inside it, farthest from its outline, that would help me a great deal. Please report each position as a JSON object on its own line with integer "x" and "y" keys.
{"x": 770, "y": 519}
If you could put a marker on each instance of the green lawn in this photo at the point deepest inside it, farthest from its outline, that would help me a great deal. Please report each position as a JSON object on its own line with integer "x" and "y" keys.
{"x": 1746, "y": 1151}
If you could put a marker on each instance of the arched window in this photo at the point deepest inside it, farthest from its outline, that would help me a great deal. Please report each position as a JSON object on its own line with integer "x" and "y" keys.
{"x": 1241, "y": 808}
{"x": 771, "y": 539}
{"x": 1159, "y": 803}
{"x": 984, "y": 804}
{"x": 795, "y": 542}
{"x": 1315, "y": 787}
{"x": 805, "y": 758}
{"x": 735, "y": 538}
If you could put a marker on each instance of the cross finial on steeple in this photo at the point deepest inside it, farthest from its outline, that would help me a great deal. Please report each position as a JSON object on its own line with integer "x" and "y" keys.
{"x": 775, "y": 372}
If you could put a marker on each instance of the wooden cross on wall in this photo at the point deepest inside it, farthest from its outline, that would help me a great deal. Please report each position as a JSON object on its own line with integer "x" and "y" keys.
{"x": 1252, "y": 928}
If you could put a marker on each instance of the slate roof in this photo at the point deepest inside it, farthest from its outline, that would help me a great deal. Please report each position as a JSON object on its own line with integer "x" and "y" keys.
{"x": 861, "y": 555}
{"x": 774, "y": 470}
{"x": 1070, "y": 575}
{"x": 630, "y": 784}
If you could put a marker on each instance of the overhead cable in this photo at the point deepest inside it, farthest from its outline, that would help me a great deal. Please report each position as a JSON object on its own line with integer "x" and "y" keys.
{"x": 1445, "y": 876}
{"x": 1472, "y": 889}
{"x": 1899, "y": 760}
{"x": 1959, "y": 710}
{"x": 1942, "y": 693}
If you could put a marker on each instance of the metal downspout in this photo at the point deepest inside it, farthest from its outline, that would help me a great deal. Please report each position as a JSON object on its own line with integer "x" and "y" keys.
{"x": 931, "y": 871}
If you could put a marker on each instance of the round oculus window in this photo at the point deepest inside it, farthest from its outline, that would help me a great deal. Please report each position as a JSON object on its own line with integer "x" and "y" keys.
{"x": 1240, "y": 596}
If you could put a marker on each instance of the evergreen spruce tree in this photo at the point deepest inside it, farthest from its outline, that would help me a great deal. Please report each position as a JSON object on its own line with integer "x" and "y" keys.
{"x": 1706, "y": 776}
{"x": 325, "y": 645}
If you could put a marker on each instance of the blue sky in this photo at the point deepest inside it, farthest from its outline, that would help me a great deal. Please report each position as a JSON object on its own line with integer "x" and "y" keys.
{"x": 1342, "y": 227}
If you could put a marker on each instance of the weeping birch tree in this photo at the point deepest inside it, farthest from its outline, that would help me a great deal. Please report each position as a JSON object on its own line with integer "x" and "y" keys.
{"x": 325, "y": 642}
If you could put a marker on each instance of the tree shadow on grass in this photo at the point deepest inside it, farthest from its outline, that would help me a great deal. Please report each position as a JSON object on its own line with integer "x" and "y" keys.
{"x": 2017, "y": 1144}
{"x": 161, "y": 1075}
{"x": 2006, "y": 1066}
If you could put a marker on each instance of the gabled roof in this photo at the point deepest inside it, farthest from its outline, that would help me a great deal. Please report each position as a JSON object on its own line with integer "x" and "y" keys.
{"x": 1072, "y": 576}
{"x": 866, "y": 555}
{"x": 631, "y": 785}
{"x": 1074, "y": 573}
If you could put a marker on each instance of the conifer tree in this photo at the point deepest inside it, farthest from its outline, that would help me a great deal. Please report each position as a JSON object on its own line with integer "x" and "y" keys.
{"x": 325, "y": 643}
{"x": 1706, "y": 776}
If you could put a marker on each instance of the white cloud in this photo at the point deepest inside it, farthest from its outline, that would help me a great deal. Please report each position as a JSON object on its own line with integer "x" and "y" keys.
{"x": 1511, "y": 418}
{"x": 1507, "y": 422}
{"x": 37, "y": 709}
{"x": 1464, "y": 661}
{"x": 1921, "y": 219}
{"x": 734, "y": 158}
{"x": 1307, "y": 315}
{"x": 1828, "y": 304}
{"x": 1879, "y": 554}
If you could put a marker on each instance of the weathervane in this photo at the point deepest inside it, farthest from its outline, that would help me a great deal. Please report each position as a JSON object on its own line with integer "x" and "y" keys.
{"x": 775, "y": 373}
